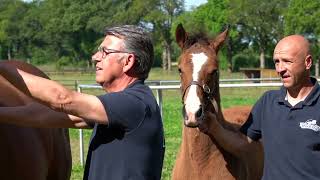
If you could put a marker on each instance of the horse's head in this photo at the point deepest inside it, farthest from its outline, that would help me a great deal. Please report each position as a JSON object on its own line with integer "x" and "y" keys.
{"x": 198, "y": 68}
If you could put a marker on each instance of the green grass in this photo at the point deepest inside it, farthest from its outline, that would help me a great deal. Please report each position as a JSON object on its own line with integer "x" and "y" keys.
{"x": 172, "y": 117}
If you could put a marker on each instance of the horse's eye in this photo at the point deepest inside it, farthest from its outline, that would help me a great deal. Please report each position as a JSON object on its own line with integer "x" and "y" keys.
{"x": 215, "y": 72}
{"x": 179, "y": 71}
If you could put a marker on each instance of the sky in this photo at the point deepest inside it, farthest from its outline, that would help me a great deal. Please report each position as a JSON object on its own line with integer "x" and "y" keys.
{"x": 195, "y": 3}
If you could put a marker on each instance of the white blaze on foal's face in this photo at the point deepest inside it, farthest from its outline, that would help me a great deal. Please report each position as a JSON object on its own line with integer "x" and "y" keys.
{"x": 192, "y": 103}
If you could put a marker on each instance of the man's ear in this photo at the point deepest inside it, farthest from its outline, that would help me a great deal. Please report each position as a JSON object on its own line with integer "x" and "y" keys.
{"x": 308, "y": 61}
{"x": 129, "y": 62}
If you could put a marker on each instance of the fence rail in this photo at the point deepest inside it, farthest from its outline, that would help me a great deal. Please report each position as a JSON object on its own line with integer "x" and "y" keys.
{"x": 159, "y": 88}
{"x": 74, "y": 83}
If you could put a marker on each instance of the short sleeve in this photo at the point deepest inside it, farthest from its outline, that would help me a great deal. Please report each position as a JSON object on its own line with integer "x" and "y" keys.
{"x": 252, "y": 127}
{"x": 124, "y": 111}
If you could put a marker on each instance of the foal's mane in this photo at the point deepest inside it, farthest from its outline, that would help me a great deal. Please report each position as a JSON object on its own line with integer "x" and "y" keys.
{"x": 200, "y": 37}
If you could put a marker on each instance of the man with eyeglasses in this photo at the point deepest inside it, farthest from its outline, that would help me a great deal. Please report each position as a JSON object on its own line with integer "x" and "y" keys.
{"x": 127, "y": 140}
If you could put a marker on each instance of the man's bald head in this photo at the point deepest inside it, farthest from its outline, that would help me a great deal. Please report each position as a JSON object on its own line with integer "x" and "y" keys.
{"x": 296, "y": 44}
{"x": 293, "y": 62}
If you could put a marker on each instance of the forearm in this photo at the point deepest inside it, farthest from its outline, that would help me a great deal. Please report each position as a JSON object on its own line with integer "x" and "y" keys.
{"x": 45, "y": 90}
{"x": 42, "y": 89}
{"x": 40, "y": 116}
{"x": 233, "y": 141}
{"x": 54, "y": 95}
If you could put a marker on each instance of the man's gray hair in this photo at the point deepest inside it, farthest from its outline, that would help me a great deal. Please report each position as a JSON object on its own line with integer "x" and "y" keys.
{"x": 137, "y": 41}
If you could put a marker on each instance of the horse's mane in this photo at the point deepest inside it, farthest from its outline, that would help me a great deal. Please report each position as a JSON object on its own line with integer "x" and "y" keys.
{"x": 200, "y": 37}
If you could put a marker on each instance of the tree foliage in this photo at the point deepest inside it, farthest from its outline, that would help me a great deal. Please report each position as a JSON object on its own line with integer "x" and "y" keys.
{"x": 301, "y": 18}
{"x": 260, "y": 22}
{"x": 209, "y": 18}
{"x": 62, "y": 30}
{"x": 69, "y": 31}
{"x": 11, "y": 41}
{"x": 162, "y": 18}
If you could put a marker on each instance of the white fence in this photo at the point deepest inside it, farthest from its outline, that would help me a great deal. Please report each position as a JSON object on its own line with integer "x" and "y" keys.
{"x": 159, "y": 87}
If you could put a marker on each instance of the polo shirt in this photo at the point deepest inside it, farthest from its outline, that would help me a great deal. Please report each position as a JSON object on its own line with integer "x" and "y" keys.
{"x": 290, "y": 135}
{"x": 131, "y": 146}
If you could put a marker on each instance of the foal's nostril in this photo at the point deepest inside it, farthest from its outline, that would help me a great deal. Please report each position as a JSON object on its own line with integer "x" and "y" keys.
{"x": 199, "y": 112}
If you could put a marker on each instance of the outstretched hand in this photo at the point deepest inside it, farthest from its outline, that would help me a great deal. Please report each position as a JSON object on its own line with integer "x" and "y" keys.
{"x": 206, "y": 125}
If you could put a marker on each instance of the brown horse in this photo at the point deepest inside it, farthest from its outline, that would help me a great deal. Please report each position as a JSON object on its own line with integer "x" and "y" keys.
{"x": 31, "y": 153}
{"x": 201, "y": 156}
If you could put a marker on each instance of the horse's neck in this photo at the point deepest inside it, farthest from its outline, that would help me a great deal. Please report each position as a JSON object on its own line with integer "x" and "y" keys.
{"x": 200, "y": 146}
{"x": 197, "y": 141}
{"x": 220, "y": 116}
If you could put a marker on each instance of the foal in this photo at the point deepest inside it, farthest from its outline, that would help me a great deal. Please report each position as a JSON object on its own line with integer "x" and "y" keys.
{"x": 201, "y": 157}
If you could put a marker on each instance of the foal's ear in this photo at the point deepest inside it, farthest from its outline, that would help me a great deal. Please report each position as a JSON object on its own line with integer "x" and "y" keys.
{"x": 181, "y": 35}
{"x": 218, "y": 41}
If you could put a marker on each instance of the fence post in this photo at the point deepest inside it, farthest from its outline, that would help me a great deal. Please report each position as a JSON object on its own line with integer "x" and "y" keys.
{"x": 159, "y": 98}
{"x": 80, "y": 134}
{"x": 76, "y": 82}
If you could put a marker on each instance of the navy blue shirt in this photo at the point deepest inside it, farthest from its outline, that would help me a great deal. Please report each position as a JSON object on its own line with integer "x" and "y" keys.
{"x": 131, "y": 146}
{"x": 290, "y": 135}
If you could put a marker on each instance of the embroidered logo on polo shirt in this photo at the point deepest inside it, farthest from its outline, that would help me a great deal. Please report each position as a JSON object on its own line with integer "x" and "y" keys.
{"x": 310, "y": 124}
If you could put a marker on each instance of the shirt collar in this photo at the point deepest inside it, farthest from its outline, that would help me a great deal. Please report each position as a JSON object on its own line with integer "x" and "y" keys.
{"x": 282, "y": 96}
{"x": 312, "y": 96}
{"x": 138, "y": 81}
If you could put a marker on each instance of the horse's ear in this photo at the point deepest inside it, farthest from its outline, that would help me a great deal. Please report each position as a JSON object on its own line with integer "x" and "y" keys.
{"x": 181, "y": 35}
{"x": 218, "y": 41}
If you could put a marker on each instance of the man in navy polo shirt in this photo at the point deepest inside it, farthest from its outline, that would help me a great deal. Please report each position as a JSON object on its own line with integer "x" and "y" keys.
{"x": 287, "y": 120}
{"x": 127, "y": 140}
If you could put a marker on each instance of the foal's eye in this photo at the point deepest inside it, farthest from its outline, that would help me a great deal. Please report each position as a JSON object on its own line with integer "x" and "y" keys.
{"x": 214, "y": 73}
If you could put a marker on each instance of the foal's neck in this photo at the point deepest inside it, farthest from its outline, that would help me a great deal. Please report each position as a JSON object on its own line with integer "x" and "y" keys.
{"x": 200, "y": 144}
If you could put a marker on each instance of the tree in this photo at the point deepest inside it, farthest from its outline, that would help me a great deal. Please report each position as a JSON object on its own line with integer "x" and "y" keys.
{"x": 301, "y": 18}
{"x": 71, "y": 30}
{"x": 213, "y": 18}
{"x": 162, "y": 18}
{"x": 11, "y": 16}
{"x": 261, "y": 23}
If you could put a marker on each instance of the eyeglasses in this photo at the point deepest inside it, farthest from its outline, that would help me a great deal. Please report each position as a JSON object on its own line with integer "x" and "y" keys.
{"x": 105, "y": 51}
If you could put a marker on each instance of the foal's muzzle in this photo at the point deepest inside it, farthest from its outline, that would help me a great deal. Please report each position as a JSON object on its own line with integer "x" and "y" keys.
{"x": 199, "y": 116}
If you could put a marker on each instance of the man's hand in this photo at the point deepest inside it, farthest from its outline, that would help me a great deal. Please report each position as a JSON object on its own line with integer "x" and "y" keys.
{"x": 207, "y": 124}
